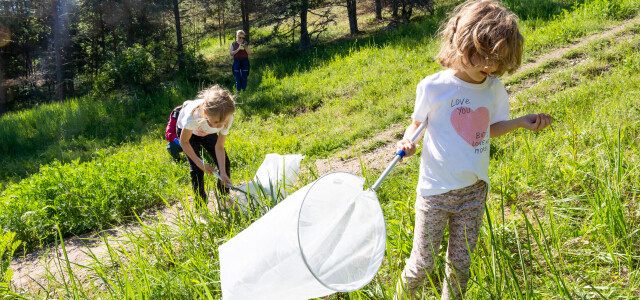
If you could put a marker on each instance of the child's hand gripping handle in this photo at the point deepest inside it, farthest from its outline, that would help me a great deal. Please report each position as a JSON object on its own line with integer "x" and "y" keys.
{"x": 229, "y": 185}
{"x": 177, "y": 141}
{"x": 400, "y": 154}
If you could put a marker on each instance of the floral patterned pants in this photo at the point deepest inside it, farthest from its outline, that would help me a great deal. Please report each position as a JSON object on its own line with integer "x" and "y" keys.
{"x": 463, "y": 209}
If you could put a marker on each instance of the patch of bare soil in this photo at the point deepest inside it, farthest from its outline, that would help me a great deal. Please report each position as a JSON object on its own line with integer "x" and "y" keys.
{"x": 372, "y": 159}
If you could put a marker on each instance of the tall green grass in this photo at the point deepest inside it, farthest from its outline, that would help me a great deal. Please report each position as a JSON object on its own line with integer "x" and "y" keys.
{"x": 76, "y": 128}
{"x": 77, "y": 197}
{"x": 8, "y": 246}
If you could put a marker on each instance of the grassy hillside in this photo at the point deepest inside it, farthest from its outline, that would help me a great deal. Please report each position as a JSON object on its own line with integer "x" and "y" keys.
{"x": 561, "y": 216}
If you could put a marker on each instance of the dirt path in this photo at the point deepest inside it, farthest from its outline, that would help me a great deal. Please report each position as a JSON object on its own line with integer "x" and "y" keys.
{"x": 33, "y": 269}
{"x": 375, "y": 153}
{"x": 561, "y": 51}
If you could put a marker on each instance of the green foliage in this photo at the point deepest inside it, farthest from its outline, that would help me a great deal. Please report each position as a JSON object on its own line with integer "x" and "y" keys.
{"x": 613, "y": 9}
{"x": 569, "y": 25}
{"x": 143, "y": 70}
{"x": 195, "y": 67}
{"x": 540, "y": 9}
{"x": 78, "y": 197}
{"x": 8, "y": 245}
{"x": 135, "y": 69}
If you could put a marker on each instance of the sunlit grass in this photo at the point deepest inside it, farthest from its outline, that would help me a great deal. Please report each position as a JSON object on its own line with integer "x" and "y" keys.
{"x": 561, "y": 218}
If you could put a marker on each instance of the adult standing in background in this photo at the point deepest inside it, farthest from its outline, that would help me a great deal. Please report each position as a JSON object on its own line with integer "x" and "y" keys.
{"x": 240, "y": 52}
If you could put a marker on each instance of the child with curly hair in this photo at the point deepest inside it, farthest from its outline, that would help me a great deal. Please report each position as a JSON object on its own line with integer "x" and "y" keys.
{"x": 464, "y": 105}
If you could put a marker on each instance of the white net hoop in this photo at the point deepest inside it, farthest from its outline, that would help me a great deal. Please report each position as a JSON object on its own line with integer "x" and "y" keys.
{"x": 341, "y": 232}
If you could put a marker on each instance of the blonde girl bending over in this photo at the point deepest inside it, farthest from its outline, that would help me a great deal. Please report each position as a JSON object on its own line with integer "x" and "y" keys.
{"x": 204, "y": 124}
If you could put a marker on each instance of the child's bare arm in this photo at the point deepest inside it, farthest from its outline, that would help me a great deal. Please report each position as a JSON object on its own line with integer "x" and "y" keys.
{"x": 406, "y": 144}
{"x": 533, "y": 122}
{"x": 188, "y": 150}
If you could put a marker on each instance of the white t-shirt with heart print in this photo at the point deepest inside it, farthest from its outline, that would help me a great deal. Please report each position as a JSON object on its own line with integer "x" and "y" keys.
{"x": 455, "y": 151}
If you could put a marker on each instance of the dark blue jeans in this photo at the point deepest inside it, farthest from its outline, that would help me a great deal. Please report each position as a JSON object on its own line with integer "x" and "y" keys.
{"x": 241, "y": 72}
{"x": 174, "y": 150}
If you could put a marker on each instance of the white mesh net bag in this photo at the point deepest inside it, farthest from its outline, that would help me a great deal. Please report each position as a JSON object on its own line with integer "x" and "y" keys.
{"x": 327, "y": 237}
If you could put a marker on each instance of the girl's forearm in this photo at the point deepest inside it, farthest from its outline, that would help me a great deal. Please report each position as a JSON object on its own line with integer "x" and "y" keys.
{"x": 503, "y": 127}
{"x": 411, "y": 129}
{"x": 220, "y": 155}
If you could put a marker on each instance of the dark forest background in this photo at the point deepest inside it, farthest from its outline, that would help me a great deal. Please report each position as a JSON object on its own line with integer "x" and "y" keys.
{"x": 51, "y": 50}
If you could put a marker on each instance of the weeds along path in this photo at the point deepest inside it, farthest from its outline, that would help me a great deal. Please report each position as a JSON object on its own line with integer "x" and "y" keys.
{"x": 380, "y": 150}
{"x": 39, "y": 268}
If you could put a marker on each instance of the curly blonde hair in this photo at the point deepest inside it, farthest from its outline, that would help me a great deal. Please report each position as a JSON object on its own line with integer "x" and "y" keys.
{"x": 481, "y": 33}
{"x": 218, "y": 102}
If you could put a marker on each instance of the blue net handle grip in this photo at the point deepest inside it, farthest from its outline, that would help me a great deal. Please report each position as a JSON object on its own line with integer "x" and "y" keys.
{"x": 177, "y": 141}
{"x": 400, "y": 154}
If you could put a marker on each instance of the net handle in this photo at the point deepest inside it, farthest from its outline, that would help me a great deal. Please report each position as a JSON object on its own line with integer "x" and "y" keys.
{"x": 400, "y": 154}
{"x": 235, "y": 188}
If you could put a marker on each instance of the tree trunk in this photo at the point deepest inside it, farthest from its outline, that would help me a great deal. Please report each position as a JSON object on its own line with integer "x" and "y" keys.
{"x": 293, "y": 31}
{"x": 353, "y": 16}
{"x": 378, "y": 9}
{"x": 220, "y": 32}
{"x": 305, "y": 39}
{"x": 143, "y": 22}
{"x": 3, "y": 87}
{"x": 101, "y": 30}
{"x": 407, "y": 11}
{"x": 100, "y": 47}
{"x": 114, "y": 43}
{"x": 245, "y": 8}
{"x": 28, "y": 63}
{"x": 129, "y": 20}
{"x": 394, "y": 9}
{"x": 58, "y": 32}
{"x": 176, "y": 13}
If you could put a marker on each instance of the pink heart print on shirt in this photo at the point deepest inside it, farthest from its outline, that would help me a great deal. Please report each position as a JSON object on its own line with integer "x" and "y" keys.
{"x": 470, "y": 124}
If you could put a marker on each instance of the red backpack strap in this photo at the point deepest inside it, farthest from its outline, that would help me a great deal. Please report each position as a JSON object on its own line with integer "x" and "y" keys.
{"x": 176, "y": 111}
